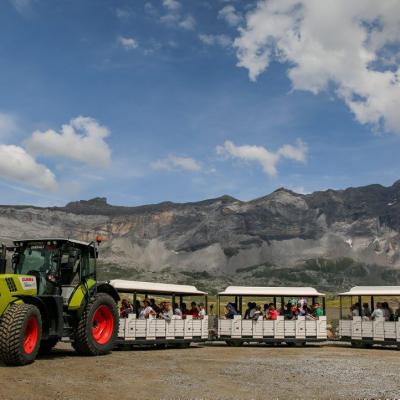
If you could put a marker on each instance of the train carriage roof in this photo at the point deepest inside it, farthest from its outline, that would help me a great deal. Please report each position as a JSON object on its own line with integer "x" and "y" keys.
{"x": 372, "y": 291}
{"x": 126, "y": 286}
{"x": 270, "y": 291}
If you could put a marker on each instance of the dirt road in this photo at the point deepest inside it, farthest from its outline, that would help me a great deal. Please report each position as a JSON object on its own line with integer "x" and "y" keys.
{"x": 209, "y": 372}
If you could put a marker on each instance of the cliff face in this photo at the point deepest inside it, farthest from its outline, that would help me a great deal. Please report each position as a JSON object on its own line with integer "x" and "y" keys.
{"x": 228, "y": 238}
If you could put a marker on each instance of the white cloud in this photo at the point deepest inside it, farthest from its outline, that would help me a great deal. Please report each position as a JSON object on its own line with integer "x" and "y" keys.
{"x": 171, "y": 4}
{"x": 266, "y": 158}
{"x": 331, "y": 43}
{"x": 127, "y": 43}
{"x": 230, "y": 15}
{"x": 8, "y": 125}
{"x": 17, "y": 165}
{"x": 83, "y": 139}
{"x": 212, "y": 40}
{"x": 173, "y": 162}
{"x": 188, "y": 23}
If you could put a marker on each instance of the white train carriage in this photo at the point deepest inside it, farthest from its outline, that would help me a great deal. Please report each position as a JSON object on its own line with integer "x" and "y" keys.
{"x": 237, "y": 330}
{"x": 154, "y": 331}
{"x": 362, "y": 329}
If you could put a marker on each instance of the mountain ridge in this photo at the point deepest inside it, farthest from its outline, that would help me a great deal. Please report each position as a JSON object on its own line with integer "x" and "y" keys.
{"x": 224, "y": 238}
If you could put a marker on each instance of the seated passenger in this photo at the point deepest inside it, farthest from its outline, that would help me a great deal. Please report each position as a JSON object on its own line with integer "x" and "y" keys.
{"x": 257, "y": 313}
{"x": 177, "y": 310}
{"x": 202, "y": 311}
{"x": 147, "y": 310}
{"x": 289, "y": 313}
{"x": 194, "y": 310}
{"x": 185, "y": 311}
{"x": 302, "y": 308}
{"x": 317, "y": 311}
{"x": 387, "y": 312}
{"x": 365, "y": 311}
{"x": 125, "y": 309}
{"x": 166, "y": 312}
{"x": 137, "y": 308}
{"x": 230, "y": 311}
{"x": 273, "y": 314}
{"x": 154, "y": 306}
{"x": 354, "y": 309}
{"x": 397, "y": 313}
{"x": 378, "y": 312}
{"x": 247, "y": 312}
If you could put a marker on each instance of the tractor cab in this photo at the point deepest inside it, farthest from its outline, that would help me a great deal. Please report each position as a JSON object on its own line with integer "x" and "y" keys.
{"x": 58, "y": 265}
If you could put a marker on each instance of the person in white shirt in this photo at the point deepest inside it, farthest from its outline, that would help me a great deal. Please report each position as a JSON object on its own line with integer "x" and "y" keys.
{"x": 146, "y": 311}
{"x": 378, "y": 312}
{"x": 177, "y": 310}
{"x": 355, "y": 312}
{"x": 166, "y": 312}
{"x": 202, "y": 311}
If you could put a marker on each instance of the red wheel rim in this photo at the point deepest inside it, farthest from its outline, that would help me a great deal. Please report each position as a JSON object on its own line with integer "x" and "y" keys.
{"x": 31, "y": 335}
{"x": 103, "y": 325}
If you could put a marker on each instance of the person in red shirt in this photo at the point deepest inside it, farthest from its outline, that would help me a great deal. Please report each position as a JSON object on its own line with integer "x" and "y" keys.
{"x": 194, "y": 311}
{"x": 273, "y": 314}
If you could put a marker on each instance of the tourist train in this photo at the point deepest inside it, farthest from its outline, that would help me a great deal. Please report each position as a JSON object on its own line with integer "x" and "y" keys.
{"x": 167, "y": 314}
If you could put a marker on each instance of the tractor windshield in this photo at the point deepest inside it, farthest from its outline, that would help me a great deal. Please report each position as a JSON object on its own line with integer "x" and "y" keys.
{"x": 36, "y": 259}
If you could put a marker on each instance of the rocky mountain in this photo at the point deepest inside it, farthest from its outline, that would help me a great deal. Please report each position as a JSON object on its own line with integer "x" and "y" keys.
{"x": 330, "y": 239}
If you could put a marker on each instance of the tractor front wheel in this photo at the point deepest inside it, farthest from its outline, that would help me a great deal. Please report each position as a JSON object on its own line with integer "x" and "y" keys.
{"x": 20, "y": 334}
{"x": 97, "y": 329}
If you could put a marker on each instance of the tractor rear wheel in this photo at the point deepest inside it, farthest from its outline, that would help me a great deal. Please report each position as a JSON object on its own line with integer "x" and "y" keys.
{"x": 20, "y": 334}
{"x": 97, "y": 329}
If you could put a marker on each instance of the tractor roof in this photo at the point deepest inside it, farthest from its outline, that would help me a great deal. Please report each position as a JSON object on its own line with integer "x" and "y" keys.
{"x": 76, "y": 243}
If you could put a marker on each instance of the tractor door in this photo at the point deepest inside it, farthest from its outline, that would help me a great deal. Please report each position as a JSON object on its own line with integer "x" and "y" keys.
{"x": 70, "y": 271}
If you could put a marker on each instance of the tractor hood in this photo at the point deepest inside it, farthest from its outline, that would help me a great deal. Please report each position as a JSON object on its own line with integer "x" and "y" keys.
{"x": 12, "y": 286}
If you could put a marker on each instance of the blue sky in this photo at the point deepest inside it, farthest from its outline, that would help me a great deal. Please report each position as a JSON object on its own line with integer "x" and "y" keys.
{"x": 187, "y": 100}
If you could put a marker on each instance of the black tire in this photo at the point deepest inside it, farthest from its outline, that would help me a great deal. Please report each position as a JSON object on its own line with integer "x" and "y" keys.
{"x": 83, "y": 340}
{"x": 13, "y": 334}
{"x": 46, "y": 346}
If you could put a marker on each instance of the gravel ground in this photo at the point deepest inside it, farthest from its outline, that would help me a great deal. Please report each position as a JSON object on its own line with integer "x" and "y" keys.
{"x": 209, "y": 372}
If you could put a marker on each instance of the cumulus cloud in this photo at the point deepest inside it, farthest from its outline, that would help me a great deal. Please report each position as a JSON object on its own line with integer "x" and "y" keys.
{"x": 230, "y": 15}
{"x": 17, "y": 165}
{"x": 266, "y": 158}
{"x": 350, "y": 46}
{"x": 173, "y": 162}
{"x": 83, "y": 139}
{"x": 127, "y": 43}
{"x": 212, "y": 40}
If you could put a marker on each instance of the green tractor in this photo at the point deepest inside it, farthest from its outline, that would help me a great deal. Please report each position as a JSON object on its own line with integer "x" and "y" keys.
{"x": 53, "y": 295}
